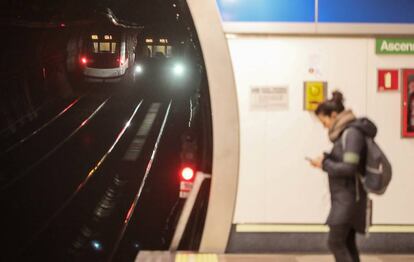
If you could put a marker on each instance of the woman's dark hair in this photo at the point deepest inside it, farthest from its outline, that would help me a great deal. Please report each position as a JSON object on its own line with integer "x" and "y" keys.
{"x": 335, "y": 104}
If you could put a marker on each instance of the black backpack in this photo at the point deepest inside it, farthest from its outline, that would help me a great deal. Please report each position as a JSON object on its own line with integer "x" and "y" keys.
{"x": 378, "y": 170}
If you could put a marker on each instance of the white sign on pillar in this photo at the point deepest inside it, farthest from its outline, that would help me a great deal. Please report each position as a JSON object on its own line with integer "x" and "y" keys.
{"x": 269, "y": 98}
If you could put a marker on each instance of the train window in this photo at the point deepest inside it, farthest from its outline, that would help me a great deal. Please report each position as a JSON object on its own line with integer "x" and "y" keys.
{"x": 108, "y": 37}
{"x": 148, "y": 51}
{"x": 95, "y": 47}
{"x": 94, "y": 37}
{"x": 113, "y": 48}
{"x": 159, "y": 49}
{"x": 169, "y": 51}
{"x": 104, "y": 47}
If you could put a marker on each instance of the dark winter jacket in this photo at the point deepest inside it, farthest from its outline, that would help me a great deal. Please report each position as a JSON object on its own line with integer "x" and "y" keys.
{"x": 343, "y": 164}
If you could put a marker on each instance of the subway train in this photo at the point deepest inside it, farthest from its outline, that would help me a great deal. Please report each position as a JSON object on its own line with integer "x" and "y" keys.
{"x": 158, "y": 56}
{"x": 166, "y": 63}
{"x": 107, "y": 54}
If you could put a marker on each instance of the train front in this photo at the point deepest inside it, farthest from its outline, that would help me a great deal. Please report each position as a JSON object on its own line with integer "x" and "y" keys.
{"x": 105, "y": 57}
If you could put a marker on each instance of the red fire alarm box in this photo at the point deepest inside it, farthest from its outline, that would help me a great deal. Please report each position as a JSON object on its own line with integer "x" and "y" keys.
{"x": 388, "y": 79}
{"x": 408, "y": 103}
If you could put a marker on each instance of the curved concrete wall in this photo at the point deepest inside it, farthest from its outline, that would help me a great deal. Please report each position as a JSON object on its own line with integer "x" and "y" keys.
{"x": 225, "y": 125}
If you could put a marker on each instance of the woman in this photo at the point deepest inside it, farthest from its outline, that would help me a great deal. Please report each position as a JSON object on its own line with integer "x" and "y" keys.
{"x": 343, "y": 165}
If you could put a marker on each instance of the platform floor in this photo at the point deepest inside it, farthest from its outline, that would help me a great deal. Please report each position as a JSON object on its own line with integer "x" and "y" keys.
{"x": 185, "y": 257}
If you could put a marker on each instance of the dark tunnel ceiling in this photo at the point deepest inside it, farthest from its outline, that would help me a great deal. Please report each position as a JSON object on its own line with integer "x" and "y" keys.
{"x": 141, "y": 12}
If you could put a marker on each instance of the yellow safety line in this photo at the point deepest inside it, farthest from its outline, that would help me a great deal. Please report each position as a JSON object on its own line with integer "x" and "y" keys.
{"x": 179, "y": 257}
{"x": 268, "y": 228}
{"x": 303, "y": 228}
{"x": 392, "y": 229}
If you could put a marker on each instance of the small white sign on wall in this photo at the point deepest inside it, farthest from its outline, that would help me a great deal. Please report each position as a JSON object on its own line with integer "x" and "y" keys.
{"x": 269, "y": 98}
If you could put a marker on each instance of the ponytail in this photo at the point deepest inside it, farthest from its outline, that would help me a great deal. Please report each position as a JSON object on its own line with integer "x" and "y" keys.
{"x": 335, "y": 104}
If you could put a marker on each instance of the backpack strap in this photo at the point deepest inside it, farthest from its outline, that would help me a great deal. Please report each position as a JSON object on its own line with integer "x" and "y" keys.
{"x": 343, "y": 138}
{"x": 357, "y": 176}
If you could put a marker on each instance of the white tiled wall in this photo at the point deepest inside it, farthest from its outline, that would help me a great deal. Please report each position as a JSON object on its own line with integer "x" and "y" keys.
{"x": 276, "y": 184}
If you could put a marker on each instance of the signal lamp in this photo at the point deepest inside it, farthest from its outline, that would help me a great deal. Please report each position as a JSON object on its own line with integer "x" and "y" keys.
{"x": 187, "y": 173}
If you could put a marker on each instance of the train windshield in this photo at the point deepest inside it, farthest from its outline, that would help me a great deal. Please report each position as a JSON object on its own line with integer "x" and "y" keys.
{"x": 157, "y": 48}
{"x": 103, "y": 50}
{"x": 104, "y": 44}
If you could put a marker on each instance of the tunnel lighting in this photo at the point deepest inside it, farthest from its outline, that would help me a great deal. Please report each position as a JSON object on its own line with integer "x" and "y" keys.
{"x": 149, "y": 40}
{"x": 139, "y": 69}
{"x": 178, "y": 69}
{"x": 96, "y": 245}
{"x": 174, "y": 5}
{"x": 187, "y": 173}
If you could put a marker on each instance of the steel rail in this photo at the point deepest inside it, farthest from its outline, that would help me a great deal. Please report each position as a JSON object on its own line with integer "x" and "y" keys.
{"x": 85, "y": 181}
{"x": 53, "y": 150}
{"x": 141, "y": 188}
{"x": 48, "y": 123}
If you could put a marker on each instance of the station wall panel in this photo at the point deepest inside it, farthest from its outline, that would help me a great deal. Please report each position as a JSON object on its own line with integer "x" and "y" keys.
{"x": 276, "y": 184}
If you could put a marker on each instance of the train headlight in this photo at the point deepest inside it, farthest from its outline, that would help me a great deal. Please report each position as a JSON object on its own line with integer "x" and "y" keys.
{"x": 139, "y": 69}
{"x": 178, "y": 69}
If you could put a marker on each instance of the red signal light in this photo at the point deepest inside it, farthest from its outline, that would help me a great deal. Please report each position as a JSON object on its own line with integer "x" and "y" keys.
{"x": 84, "y": 60}
{"x": 187, "y": 173}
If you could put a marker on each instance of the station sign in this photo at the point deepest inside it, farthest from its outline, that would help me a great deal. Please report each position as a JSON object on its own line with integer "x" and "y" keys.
{"x": 388, "y": 79}
{"x": 395, "y": 46}
{"x": 269, "y": 98}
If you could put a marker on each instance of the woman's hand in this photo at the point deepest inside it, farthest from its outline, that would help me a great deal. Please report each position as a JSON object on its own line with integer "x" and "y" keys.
{"x": 317, "y": 162}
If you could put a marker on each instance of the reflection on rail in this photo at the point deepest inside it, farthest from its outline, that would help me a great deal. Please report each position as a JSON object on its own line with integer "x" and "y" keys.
{"x": 51, "y": 152}
{"x": 138, "y": 195}
{"x": 85, "y": 181}
{"x": 23, "y": 140}
{"x": 128, "y": 123}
